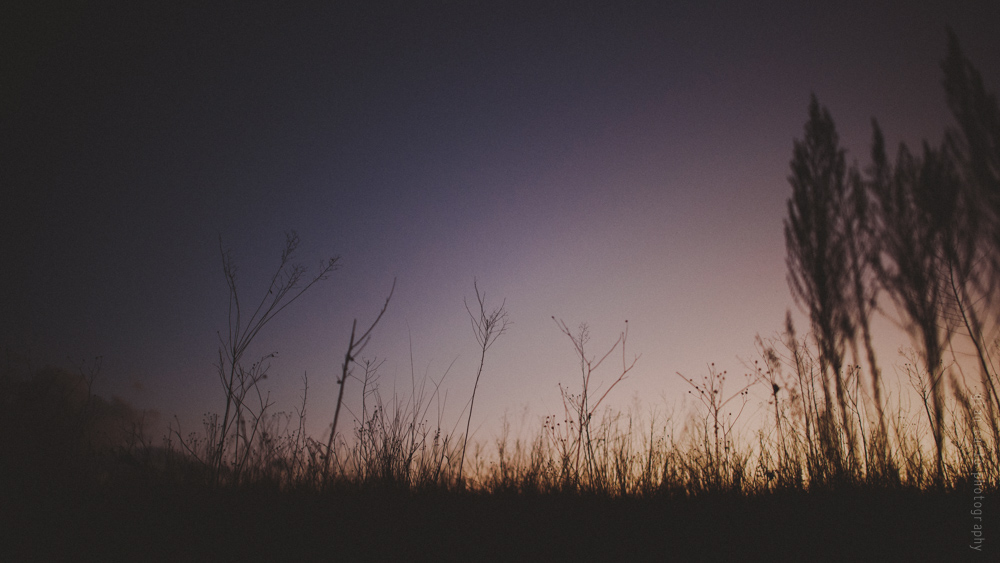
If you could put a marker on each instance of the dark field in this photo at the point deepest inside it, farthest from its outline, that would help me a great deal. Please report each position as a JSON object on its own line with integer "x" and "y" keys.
{"x": 137, "y": 521}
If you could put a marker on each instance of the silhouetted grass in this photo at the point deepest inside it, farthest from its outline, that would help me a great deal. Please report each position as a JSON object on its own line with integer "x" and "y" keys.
{"x": 692, "y": 488}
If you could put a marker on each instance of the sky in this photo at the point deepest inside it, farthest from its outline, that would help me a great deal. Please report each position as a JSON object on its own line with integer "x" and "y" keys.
{"x": 592, "y": 162}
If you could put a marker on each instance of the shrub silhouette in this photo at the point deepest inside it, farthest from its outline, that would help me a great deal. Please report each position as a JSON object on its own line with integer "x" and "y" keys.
{"x": 51, "y": 422}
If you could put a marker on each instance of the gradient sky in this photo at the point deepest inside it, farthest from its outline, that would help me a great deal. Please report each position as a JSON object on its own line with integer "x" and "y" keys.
{"x": 595, "y": 163}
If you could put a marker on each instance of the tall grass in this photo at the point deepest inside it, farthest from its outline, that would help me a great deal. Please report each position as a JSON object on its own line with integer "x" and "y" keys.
{"x": 789, "y": 442}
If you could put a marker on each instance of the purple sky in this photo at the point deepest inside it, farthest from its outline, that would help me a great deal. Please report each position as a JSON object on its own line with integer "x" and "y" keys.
{"x": 590, "y": 163}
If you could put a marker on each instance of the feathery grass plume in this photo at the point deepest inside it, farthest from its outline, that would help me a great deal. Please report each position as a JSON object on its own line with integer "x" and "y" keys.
{"x": 818, "y": 256}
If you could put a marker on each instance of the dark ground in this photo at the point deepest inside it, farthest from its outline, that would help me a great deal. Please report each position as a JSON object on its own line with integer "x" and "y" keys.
{"x": 139, "y": 521}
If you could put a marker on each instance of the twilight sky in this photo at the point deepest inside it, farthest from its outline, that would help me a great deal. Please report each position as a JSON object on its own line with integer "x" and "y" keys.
{"x": 590, "y": 162}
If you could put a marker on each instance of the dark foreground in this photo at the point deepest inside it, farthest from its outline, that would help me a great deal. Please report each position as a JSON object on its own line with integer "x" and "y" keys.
{"x": 144, "y": 522}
